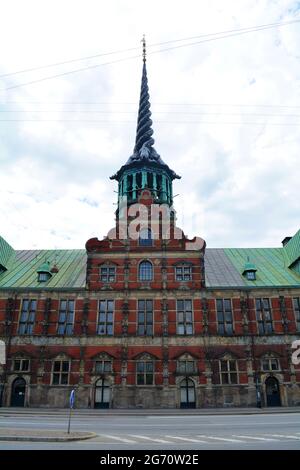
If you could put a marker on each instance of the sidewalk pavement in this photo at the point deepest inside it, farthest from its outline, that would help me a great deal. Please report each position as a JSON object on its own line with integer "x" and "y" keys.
{"x": 39, "y": 435}
{"x": 5, "y": 411}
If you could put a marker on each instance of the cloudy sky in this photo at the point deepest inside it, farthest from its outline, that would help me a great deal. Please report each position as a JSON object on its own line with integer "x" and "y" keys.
{"x": 226, "y": 114}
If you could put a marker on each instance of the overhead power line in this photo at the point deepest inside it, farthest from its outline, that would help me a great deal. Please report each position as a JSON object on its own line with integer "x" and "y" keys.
{"x": 103, "y": 121}
{"x": 135, "y": 103}
{"x": 237, "y": 32}
{"x": 200, "y": 113}
{"x": 122, "y": 51}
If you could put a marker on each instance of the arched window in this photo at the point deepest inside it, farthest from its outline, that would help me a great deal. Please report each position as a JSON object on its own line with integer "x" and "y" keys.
{"x": 145, "y": 271}
{"x": 145, "y": 237}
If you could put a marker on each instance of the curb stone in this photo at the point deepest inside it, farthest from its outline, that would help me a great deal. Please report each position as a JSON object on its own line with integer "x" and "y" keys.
{"x": 49, "y": 438}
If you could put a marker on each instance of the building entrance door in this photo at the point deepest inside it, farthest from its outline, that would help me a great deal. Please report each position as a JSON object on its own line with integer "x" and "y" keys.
{"x": 187, "y": 394}
{"x": 18, "y": 390}
{"x": 273, "y": 392}
{"x": 102, "y": 394}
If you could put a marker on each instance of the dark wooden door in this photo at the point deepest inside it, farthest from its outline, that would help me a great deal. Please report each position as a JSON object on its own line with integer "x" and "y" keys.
{"x": 102, "y": 394}
{"x": 187, "y": 394}
{"x": 18, "y": 390}
{"x": 273, "y": 392}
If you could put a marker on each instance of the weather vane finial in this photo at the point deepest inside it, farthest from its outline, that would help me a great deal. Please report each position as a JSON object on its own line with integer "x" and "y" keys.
{"x": 144, "y": 48}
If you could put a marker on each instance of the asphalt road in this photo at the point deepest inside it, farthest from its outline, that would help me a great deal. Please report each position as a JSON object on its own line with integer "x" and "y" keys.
{"x": 173, "y": 432}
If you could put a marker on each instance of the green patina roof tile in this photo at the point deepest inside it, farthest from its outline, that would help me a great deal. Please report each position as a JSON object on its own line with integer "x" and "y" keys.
{"x": 292, "y": 249}
{"x": 6, "y": 252}
{"x": 23, "y": 272}
{"x": 270, "y": 264}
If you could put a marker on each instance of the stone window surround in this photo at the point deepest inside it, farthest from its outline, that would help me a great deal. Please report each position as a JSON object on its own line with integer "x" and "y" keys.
{"x": 60, "y": 372}
{"x": 108, "y": 266}
{"x": 106, "y": 323}
{"x": 22, "y": 360}
{"x": 31, "y": 313}
{"x": 66, "y": 323}
{"x": 144, "y": 270}
{"x": 225, "y": 333}
{"x": 185, "y": 323}
{"x": 184, "y": 265}
{"x": 228, "y": 372}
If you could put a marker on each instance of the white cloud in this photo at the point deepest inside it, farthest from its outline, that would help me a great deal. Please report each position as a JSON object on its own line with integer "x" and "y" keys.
{"x": 240, "y": 180}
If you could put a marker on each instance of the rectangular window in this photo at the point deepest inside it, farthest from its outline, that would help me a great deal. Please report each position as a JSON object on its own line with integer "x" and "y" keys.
{"x": 66, "y": 317}
{"x": 228, "y": 372}
{"x": 27, "y": 317}
{"x": 21, "y": 365}
{"x": 144, "y": 373}
{"x": 183, "y": 273}
{"x": 107, "y": 274}
{"x": 60, "y": 372}
{"x": 105, "y": 317}
{"x": 224, "y": 316}
{"x": 145, "y": 318}
{"x": 103, "y": 367}
{"x": 296, "y": 303}
{"x": 264, "y": 316}
{"x": 184, "y": 317}
{"x": 270, "y": 364}
{"x": 186, "y": 367}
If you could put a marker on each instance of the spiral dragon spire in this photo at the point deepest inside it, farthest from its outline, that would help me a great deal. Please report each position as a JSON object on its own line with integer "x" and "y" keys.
{"x": 144, "y": 141}
{"x": 144, "y": 153}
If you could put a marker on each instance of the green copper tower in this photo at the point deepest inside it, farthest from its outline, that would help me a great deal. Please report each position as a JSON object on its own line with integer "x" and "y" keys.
{"x": 145, "y": 169}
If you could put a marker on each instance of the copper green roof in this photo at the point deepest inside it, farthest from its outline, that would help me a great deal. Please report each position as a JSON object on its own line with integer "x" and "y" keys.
{"x": 22, "y": 269}
{"x": 292, "y": 249}
{"x": 6, "y": 251}
{"x": 224, "y": 267}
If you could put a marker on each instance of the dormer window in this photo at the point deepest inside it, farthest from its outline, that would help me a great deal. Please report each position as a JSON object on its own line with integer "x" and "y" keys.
{"x": 44, "y": 273}
{"x": 249, "y": 270}
{"x": 251, "y": 276}
{"x": 43, "y": 277}
{"x": 107, "y": 273}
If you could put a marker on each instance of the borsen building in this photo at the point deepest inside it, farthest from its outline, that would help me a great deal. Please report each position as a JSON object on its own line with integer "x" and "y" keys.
{"x": 154, "y": 320}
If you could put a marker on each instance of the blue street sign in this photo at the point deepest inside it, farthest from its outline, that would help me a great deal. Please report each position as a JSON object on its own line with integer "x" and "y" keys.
{"x": 72, "y": 398}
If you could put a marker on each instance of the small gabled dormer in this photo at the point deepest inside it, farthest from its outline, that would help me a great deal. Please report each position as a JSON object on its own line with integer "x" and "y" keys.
{"x": 44, "y": 273}
{"x": 291, "y": 248}
{"x": 6, "y": 253}
{"x": 2, "y": 269}
{"x": 249, "y": 270}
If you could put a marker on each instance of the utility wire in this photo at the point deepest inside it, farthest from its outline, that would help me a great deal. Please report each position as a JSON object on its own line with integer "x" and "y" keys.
{"x": 259, "y": 28}
{"x": 202, "y": 113}
{"x": 70, "y": 72}
{"x": 248, "y": 29}
{"x": 158, "y": 122}
{"x": 135, "y": 103}
{"x": 56, "y": 64}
